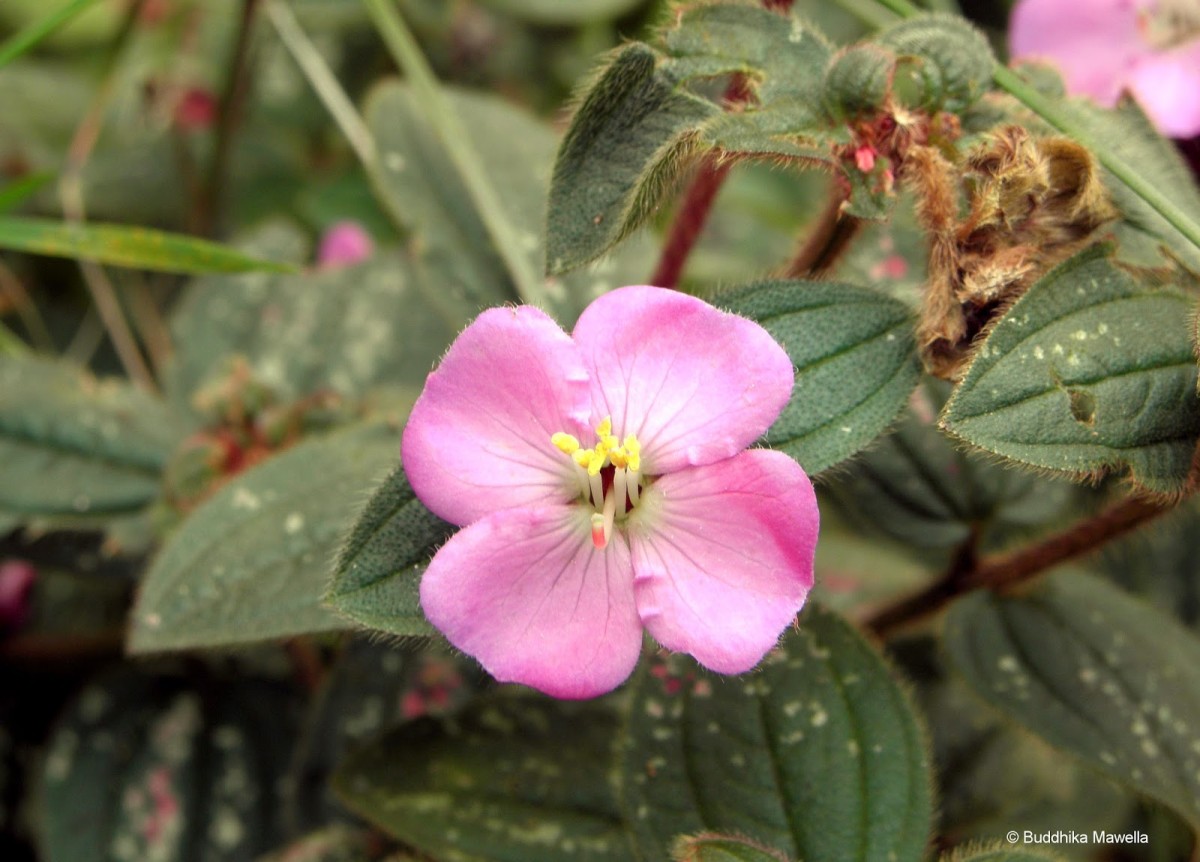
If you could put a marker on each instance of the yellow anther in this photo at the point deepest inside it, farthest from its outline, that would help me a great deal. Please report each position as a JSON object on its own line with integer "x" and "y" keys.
{"x": 618, "y": 457}
{"x": 566, "y": 443}
{"x": 611, "y": 442}
{"x": 633, "y": 453}
{"x": 583, "y": 457}
{"x": 597, "y": 462}
{"x": 604, "y": 429}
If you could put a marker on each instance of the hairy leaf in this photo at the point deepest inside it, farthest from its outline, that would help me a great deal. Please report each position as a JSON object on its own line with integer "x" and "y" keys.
{"x": 1088, "y": 370}
{"x": 252, "y": 562}
{"x": 954, "y": 59}
{"x": 627, "y": 143}
{"x": 73, "y": 445}
{"x": 856, "y": 364}
{"x": 514, "y": 779}
{"x": 1094, "y": 672}
{"x": 771, "y": 756}
{"x": 379, "y": 569}
{"x": 723, "y": 848}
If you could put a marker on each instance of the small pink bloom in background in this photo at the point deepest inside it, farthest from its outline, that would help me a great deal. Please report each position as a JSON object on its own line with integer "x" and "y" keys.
{"x": 16, "y": 582}
{"x": 196, "y": 110}
{"x": 1150, "y": 48}
{"x": 602, "y": 487}
{"x": 343, "y": 244}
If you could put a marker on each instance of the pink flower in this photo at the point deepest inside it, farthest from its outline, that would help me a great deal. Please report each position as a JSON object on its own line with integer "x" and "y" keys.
{"x": 17, "y": 578}
{"x": 1104, "y": 47}
{"x": 602, "y": 487}
{"x": 343, "y": 244}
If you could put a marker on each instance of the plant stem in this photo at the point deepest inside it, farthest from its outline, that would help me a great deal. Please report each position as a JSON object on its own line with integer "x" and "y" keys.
{"x": 1008, "y": 570}
{"x": 1060, "y": 117}
{"x": 70, "y": 190}
{"x": 453, "y": 136}
{"x": 39, "y": 30}
{"x": 323, "y": 82}
{"x": 233, "y": 104}
{"x": 828, "y": 238}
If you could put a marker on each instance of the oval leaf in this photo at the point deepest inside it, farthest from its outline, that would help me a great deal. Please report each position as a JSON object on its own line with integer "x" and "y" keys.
{"x": 1088, "y": 370}
{"x": 856, "y": 364}
{"x": 819, "y": 754}
{"x": 71, "y": 445}
{"x": 251, "y": 563}
{"x": 1094, "y": 672}
{"x": 135, "y": 247}
{"x": 378, "y": 572}
{"x": 515, "y": 779}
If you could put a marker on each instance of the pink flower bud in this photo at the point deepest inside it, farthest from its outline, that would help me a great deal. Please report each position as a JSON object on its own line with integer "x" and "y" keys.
{"x": 344, "y": 243}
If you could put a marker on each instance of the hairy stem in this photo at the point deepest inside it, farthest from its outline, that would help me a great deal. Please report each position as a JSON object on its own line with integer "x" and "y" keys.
{"x": 1007, "y": 570}
{"x": 828, "y": 238}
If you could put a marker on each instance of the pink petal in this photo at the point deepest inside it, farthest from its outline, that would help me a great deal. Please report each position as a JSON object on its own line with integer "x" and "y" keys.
{"x": 1093, "y": 42}
{"x": 478, "y": 438}
{"x": 723, "y": 557}
{"x": 1167, "y": 86}
{"x": 526, "y": 593}
{"x": 696, "y": 385}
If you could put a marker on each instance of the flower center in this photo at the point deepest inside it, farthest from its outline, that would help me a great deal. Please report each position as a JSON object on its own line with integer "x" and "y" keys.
{"x": 609, "y": 476}
{"x": 1171, "y": 23}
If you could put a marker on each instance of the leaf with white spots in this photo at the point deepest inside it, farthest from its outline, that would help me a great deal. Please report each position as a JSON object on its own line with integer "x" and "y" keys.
{"x": 517, "y": 778}
{"x": 378, "y": 571}
{"x": 156, "y": 767}
{"x": 374, "y": 686}
{"x": 252, "y": 562}
{"x": 350, "y": 330}
{"x": 1094, "y": 672}
{"x": 856, "y": 364}
{"x": 1088, "y": 371}
{"x": 817, "y": 754}
{"x": 75, "y": 446}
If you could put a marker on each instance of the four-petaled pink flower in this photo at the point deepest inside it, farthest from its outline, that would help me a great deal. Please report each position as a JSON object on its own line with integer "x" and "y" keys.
{"x": 602, "y": 485}
{"x": 1104, "y": 47}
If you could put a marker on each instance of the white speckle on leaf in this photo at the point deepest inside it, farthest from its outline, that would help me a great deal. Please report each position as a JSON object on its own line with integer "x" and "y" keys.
{"x": 246, "y": 499}
{"x": 294, "y": 523}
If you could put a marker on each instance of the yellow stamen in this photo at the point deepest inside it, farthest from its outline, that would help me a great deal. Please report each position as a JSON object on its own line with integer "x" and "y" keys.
{"x": 583, "y": 457}
{"x": 604, "y": 429}
{"x": 566, "y": 443}
{"x": 619, "y": 458}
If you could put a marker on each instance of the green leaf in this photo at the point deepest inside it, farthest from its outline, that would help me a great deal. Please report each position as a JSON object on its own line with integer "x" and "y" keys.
{"x": 1088, "y": 370}
{"x": 917, "y": 487}
{"x": 156, "y": 766}
{"x": 72, "y": 445}
{"x": 373, "y": 687}
{"x": 628, "y": 142}
{"x": 19, "y": 190}
{"x": 135, "y": 247}
{"x": 954, "y": 59}
{"x": 1095, "y": 673}
{"x": 787, "y": 54}
{"x": 858, "y": 81}
{"x": 818, "y": 754}
{"x": 418, "y": 184}
{"x": 38, "y": 30}
{"x": 723, "y": 848}
{"x": 555, "y": 13}
{"x": 378, "y": 571}
{"x": 514, "y": 779}
{"x": 856, "y": 364}
{"x": 251, "y": 562}
{"x": 350, "y": 330}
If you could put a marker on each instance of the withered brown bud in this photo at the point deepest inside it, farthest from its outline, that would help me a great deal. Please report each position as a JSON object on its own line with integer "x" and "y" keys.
{"x": 1030, "y": 203}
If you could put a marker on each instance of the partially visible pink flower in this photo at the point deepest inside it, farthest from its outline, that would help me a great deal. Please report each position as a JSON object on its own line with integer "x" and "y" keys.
{"x": 343, "y": 244}
{"x": 1150, "y": 48}
{"x": 602, "y": 485}
{"x": 196, "y": 110}
{"x": 16, "y": 582}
